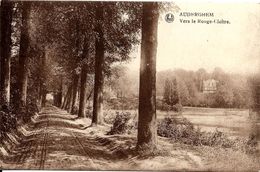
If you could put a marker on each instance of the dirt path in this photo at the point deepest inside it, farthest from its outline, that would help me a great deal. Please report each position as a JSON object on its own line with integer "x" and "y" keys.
{"x": 57, "y": 140}
{"x": 51, "y": 134}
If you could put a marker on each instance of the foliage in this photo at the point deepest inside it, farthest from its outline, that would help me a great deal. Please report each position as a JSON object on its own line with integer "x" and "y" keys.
{"x": 171, "y": 94}
{"x": 8, "y": 122}
{"x": 233, "y": 90}
{"x": 109, "y": 117}
{"x": 161, "y": 105}
{"x": 223, "y": 96}
{"x": 122, "y": 124}
{"x": 181, "y": 130}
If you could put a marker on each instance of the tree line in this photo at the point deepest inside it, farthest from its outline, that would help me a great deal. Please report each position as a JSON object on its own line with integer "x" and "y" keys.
{"x": 185, "y": 88}
{"x": 232, "y": 90}
{"x": 66, "y": 48}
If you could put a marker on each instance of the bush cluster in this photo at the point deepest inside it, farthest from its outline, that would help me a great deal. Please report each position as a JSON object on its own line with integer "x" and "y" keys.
{"x": 28, "y": 111}
{"x": 161, "y": 105}
{"x": 122, "y": 124}
{"x": 9, "y": 118}
{"x": 8, "y": 122}
{"x": 109, "y": 116}
{"x": 181, "y": 130}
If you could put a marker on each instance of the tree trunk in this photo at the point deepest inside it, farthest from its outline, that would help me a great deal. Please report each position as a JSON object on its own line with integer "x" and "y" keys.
{"x": 90, "y": 94}
{"x": 59, "y": 95}
{"x": 43, "y": 79}
{"x": 55, "y": 99}
{"x": 43, "y": 102}
{"x": 39, "y": 92}
{"x": 5, "y": 50}
{"x": 68, "y": 103}
{"x": 147, "y": 129}
{"x": 74, "y": 92}
{"x": 99, "y": 65}
{"x": 66, "y": 98}
{"x": 24, "y": 48}
{"x": 83, "y": 91}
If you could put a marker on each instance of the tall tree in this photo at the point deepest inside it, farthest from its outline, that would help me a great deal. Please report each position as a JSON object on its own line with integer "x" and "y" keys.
{"x": 5, "y": 50}
{"x": 147, "y": 130}
{"x": 83, "y": 93}
{"x": 24, "y": 49}
{"x": 117, "y": 28}
{"x": 43, "y": 80}
{"x": 99, "y": 66}
{"x": 83, "y": 80}
{"x": 171, "y": 94}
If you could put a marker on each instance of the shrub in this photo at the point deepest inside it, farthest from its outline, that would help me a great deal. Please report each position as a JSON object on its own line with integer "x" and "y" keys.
{"x": 28, "y": 111}
{"x": 8, "y": 122}
{"x": 122, "y": 124}
{"x": 176, "y": 108}
{"x": 178, "y": 130}
{"x": 9, "y": 118}
{"x": 31, "y": 109}
{"x": 109, "y": 117}
{"x": 165, "y": 107}
{"x": 181, "y": 130}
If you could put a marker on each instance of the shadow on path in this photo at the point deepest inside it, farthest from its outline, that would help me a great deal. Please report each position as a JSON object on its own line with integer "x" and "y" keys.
{"x": 53, "y": 139}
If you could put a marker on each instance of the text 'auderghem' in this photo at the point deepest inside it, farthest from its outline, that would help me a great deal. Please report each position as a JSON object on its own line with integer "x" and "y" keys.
{"x": 196, "y": 14}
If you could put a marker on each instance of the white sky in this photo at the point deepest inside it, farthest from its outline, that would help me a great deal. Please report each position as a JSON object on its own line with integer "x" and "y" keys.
{"x": 234, "y": 47}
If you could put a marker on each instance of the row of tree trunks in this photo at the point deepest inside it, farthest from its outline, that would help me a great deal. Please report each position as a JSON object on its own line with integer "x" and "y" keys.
{"x": 147, "y": 129}
{"x": 147, "y": 132}
{"x": 24, "y": 49}
{"x": 99, "y": 66}
{"x": 70, "y": 98}
{"x": 66, "y": 97}
{"x": 5, "y": 50}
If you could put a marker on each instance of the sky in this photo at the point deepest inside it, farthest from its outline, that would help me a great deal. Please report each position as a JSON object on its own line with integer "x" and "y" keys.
{"x": 234, "y": 47}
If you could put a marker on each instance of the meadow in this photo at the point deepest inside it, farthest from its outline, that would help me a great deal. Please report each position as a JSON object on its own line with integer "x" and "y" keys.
{"x": 233, "y": 122}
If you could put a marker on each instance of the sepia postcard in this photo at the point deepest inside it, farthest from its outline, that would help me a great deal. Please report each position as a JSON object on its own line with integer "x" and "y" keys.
{"x": 130, "y": 85}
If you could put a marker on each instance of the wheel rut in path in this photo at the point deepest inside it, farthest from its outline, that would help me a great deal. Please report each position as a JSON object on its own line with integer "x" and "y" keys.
{"x": 56, "y": 141}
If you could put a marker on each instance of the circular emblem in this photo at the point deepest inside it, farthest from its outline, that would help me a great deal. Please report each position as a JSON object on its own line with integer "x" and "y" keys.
{"x": 169, "y": 17}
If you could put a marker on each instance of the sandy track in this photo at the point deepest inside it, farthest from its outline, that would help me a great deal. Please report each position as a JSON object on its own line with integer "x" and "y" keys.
{"x": 78, "y": 144}
{"x": 57, "y": 140}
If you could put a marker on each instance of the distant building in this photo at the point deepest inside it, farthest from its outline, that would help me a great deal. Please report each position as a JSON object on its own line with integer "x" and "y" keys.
{"x": 209, "y": 86}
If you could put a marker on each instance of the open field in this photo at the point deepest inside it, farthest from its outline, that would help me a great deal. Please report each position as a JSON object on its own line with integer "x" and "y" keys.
{"x": 234, "y": 122}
